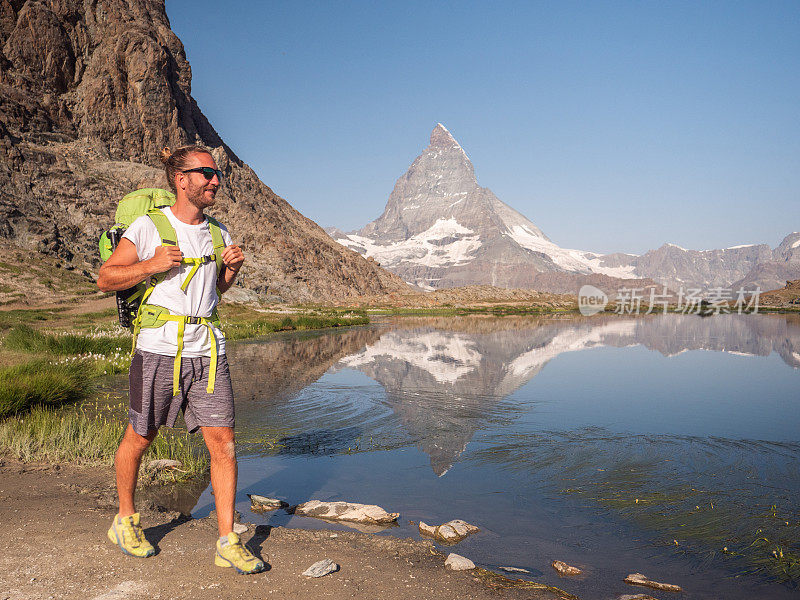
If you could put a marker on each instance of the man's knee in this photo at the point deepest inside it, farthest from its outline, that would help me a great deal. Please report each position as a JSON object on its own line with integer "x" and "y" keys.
{"x": 138, "y": 442}
{"x": 220, "y": 442}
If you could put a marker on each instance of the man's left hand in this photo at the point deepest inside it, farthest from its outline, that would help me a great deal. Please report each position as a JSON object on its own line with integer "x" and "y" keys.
{"x": 232, "y": 257}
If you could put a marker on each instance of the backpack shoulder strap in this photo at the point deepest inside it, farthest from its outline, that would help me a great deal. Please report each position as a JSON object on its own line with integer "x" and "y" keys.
{"x": 217, "y": 241}
{"x": 165, "y": 229}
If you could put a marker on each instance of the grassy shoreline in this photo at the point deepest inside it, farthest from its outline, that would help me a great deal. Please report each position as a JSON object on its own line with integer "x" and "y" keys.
{"x": 49, "y": 407}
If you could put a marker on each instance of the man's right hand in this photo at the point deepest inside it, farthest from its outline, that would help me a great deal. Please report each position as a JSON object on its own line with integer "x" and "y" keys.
{"x": 164, "y": 259}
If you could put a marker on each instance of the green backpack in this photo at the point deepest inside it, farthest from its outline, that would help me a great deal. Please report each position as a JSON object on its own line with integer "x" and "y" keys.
{"x": 134, "y": 312}
{"x": 130, "y": 208}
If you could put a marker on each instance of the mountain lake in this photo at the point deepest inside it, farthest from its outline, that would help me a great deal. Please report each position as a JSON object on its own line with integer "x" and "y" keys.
{"x": 666, "y": 445}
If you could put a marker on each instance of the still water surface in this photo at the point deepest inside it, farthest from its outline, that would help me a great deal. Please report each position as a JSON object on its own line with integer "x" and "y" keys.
{"x": 615, "y": 444}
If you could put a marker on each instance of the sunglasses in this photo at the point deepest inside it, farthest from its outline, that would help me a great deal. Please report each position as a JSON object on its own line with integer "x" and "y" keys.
{"x": 207, "y": 172}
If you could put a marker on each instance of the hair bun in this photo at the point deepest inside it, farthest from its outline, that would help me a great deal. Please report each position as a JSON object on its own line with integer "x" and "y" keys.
{"x": 166, "y": 153}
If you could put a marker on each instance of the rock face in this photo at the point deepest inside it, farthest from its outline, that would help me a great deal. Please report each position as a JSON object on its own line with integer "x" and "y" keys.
{"x": 441, "y": 229}
{"x": 89, "y": 94}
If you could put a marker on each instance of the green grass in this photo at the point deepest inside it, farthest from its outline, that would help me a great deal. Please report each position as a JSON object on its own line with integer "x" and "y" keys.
{"x": 42, "y": 383}
{"x": 30, "y": 393}
{"x": 264, "y": 325}
{"x": 26, "y": 339}
{"x": 11, "y": 318}
{"x": 90, "y": 434}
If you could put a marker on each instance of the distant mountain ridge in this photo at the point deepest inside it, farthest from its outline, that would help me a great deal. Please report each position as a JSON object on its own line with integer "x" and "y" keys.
{"x": 441, "y": 229}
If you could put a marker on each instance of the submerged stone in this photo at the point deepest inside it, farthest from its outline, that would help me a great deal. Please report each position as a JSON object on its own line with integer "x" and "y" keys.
{"x": 514, "y": 570}
{"x": 264, "y": 504}
{"x": 565, "y": 569}
{"x": 639, "y": 579}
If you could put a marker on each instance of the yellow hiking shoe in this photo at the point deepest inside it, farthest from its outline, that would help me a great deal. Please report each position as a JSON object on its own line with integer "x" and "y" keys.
{"x": 126, "y": 533}
{"x": 234, "y": 554}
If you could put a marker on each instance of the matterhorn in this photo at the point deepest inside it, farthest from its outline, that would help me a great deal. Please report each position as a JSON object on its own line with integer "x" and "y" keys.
{"x": 441, "y": 229}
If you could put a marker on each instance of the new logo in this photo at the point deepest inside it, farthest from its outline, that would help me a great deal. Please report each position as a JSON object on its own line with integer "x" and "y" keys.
{"x": 591, "y": 300}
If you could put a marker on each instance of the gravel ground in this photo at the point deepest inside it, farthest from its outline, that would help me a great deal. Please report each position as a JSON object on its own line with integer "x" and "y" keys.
{"x": 53, "y": 523}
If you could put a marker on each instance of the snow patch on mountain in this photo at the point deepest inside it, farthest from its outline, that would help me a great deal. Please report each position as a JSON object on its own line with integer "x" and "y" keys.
{"x": 445, "y": 244}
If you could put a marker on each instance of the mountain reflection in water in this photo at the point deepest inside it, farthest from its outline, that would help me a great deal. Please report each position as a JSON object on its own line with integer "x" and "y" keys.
{"x": 444, "y": 376}
{"x": 630, "y": 422}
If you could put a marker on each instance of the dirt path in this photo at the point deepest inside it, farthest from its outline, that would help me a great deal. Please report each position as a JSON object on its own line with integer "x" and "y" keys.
{"x": 53, "y": 544}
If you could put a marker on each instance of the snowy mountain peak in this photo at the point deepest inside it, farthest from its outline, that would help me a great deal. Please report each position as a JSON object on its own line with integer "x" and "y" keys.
{"x": 440, "y": 228}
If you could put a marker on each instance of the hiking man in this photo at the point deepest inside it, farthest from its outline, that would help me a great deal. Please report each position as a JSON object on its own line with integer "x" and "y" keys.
{"x": 179, "y": 360}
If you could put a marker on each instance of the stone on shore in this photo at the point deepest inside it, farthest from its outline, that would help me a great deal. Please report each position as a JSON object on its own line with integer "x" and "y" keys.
{"x": 639, "y": 579}
{"x": 321, "y": 568}
{"x": 457, "y": 562}
{"x": 240, "y": 528}
{"x": 264, "y": 504}
{"x": 451, "y": 532}
{"x": 565, "y": 569}
{"x": 369, "y": 514}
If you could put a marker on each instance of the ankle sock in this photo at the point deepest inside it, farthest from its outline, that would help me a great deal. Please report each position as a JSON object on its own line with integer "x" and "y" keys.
{"x": 223, "y": 540}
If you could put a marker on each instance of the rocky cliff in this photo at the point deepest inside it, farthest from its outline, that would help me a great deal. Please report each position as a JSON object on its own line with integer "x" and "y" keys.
{"x": 90, "y": 91}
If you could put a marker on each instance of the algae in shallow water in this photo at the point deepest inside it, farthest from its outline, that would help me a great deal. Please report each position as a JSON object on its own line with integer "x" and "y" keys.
{"x": 733, "y": 501}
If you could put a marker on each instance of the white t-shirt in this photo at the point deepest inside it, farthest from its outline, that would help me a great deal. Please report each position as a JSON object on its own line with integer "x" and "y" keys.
{"x": 200, "y": 296}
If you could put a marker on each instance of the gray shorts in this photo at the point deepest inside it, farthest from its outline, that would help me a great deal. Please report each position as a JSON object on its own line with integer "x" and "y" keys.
{"x": 153, "y": 404}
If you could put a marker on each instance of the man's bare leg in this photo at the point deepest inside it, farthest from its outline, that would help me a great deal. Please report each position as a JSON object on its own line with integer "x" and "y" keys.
{"x": 127, "y": 461}
{"x": 221, "y": 447}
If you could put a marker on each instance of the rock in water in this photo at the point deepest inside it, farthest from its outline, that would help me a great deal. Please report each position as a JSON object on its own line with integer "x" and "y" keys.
{"x": 513, "y": 570}
{"x": 639, "y": 579}
{"x": 321, "y": 568}
{"x": 451, "y": 532}
{"x": 457, "y": 562}
{"x": 264, "y": 504}
{"x": 565, "y": 569}
{"x": 636, "y": 597}
{"x": 346, "y": 511}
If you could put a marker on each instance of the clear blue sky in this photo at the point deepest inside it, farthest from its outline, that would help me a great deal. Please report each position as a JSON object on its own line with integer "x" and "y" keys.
{"x": 614, "y": 126}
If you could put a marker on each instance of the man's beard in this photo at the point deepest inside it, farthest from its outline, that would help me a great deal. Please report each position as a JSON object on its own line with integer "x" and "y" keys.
{"x": 197, "y": 197}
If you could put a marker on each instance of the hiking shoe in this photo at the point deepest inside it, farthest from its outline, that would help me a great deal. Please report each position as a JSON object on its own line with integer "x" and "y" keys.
{"x": 233, "y": 554}
{"x": 126, "y": 533}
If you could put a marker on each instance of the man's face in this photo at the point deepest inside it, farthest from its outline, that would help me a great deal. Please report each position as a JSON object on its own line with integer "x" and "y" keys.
{"x": 200, "y": 191}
